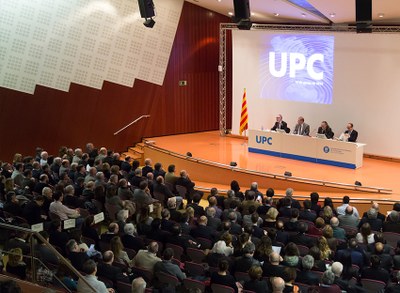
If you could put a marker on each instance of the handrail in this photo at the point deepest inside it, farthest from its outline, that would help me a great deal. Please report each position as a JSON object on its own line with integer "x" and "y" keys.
{"x": 40, "y": 237}
{"x": 275, "y": 176}
{"x": 133, "y": 122}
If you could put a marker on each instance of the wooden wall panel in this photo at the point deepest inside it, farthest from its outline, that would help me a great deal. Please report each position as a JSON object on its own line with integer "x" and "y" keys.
{"x": 51, "y": 118}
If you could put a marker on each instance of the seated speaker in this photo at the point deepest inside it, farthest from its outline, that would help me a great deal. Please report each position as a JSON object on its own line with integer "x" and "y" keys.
{"x": 358, "y": 183}
{"x": 189, "y": 154}
{"x": 288, "y": 174}
{"x": 233, "y": 164}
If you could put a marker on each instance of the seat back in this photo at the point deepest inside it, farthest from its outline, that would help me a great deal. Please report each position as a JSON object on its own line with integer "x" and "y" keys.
{"x": 182, "y": 190}
{"x": 217, "y": 288}
{"x": 196, "y": 255}
{"x": 124, "y": 287}
{"x": 159, "y": 196}
{"x": 112, "y": 211}
{"x": 242, "y": 276}
{"x": 204, "y": 243}
{"x": 178, "y": 251}
{"x": 194, "y": 269}
{"x": 192, "y": 284}
{"x": 303, "y": 250}
{"x": 372, "y": 286}
{"x": 168, "y": 279}
{"x": 145, "y": 274}
{"x": 391, "y": 238}
{"x": 54, "y": 216}
{"x": 329, "y": 289}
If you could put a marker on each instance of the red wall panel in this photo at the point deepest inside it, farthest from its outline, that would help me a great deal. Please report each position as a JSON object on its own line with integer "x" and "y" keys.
{"x": 51, "y": 118}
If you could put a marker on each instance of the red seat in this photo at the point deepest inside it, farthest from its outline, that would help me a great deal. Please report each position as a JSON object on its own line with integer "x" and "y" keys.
{"x": 192, "y": 284}
{"x": 196, "y": 255}
{"x": 178, "y": 251}
{"x": 217, "y": 288}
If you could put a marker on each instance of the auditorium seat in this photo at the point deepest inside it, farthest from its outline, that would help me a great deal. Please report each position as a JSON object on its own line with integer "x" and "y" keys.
{"x": 167, "y": 280}
{"x": 372, "y": 286}
{"x": 196, "y": 255}
{"x": 217, "y": 288}
{"x": 195, "y": 269}
{"x": 192, "y": 284}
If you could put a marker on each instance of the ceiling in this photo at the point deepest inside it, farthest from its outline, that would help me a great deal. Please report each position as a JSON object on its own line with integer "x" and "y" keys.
{"x": 384, "y": 12}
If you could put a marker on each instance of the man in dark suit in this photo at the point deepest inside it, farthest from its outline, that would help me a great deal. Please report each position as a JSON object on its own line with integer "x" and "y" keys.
{"x": 75, "y": 255}
{"x": 372, "y": 219}
{"x": 306, "y": 276}
{"x": 246, "y": 261}
{"x": 185, "y": 181}
{"x": 325, "y": 129}
{"x": 392, "y": 223}
{"x": 375, "y": 206}
{"x": 19, "y": 241}
{"x": 129, "y": 239}
{"x": 300, "y": 238}
{"x": 280, "y": 124}
{"x": 32, "y": 210}
{"x": 166, "y": 223}
{"x": 107, "y": 270}
{"x": 113, "y": 230}
{"x": 301, "y": 128}
{"x": 306, "y": 213}
{"x": 350, "y": 134}
{"x": 375, "y": 272}
{"x": 273, "y": 268}
{"x": 166, "y": 265}
{"x": 202, "y": 230}
{"x": 198, "y": 209}
{"x": 147, "y": 168}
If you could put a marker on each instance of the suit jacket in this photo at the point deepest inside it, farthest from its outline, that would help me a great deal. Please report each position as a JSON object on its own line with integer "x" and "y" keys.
{"x": 307, "y": 215}
{"x": 376, "y": 224}
{"x": 203, "y": 232}
{"x": 78, "y": 259}
{"x": 147, "y": 169}
{"x": 282, "y": 126}
{"x": 348, "y": 220}
{"x": 273, "y": 270}
{"x": 307, "y": 277}
{"x": 258, "y": 286}
{"x": 170, "y": 268}
{"x": 198, "y": 210}
{"x": 328, "y": 132}
{"x": 112, "y": 273}
{"x": 302, "y": 239}
{"x": 353, "y": 136}
{"x": 375, "y": 274}
{"x": 305, "y": 129}
{"x": 146, "y": 260}
{"x": 132, "y": 242}
{"x": 380, "y": 216}
{"x": 244, "y": 263}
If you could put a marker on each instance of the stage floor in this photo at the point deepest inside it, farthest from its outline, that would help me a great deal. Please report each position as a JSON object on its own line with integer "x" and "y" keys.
{"x": 213, "y": 147}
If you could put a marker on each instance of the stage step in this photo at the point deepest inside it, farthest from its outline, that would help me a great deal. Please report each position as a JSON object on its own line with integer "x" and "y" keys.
{"x": 135, "y": 152}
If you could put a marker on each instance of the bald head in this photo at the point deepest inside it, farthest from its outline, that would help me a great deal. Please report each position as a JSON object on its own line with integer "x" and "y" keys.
{"x": 349, "y": 210}
{"x": 274, "y": 258}
{"x": 334, "y": 222}
{"x": 278, "y": 284}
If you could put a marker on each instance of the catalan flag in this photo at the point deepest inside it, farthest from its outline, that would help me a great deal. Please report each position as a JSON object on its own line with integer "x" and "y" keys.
{"x": 244, "y": 119}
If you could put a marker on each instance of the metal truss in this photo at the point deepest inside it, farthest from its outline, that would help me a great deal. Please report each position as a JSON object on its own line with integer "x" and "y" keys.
{"x": 275, "y": 27}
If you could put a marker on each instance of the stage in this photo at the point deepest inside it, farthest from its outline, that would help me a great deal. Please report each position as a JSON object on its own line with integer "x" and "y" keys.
{"x": 213, "y": 153}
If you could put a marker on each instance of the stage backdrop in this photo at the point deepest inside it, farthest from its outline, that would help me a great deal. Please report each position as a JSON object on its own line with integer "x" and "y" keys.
{"x": 338, "y": 77}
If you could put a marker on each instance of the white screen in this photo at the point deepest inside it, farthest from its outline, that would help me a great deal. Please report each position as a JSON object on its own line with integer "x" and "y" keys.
{"x": 365, "y": 87}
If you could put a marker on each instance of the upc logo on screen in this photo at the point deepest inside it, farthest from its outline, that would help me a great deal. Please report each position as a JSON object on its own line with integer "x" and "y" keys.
{"x": 297, "y": 68}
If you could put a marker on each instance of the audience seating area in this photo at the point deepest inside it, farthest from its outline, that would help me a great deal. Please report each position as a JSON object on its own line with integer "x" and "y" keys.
{"x": 142, "y": 228}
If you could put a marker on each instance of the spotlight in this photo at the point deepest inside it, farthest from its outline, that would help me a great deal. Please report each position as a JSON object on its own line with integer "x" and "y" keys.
{"x": 149, "y": 22}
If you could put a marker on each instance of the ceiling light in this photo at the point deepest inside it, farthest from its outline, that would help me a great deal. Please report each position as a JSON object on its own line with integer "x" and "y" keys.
{"x": 332, "y": 14}
{"x": 230, "y": 13}
{"x": 252, "y": 14}
{"x": 303, "y": 14}
{"x": 276, "y": 14}
{"x": 381, "y": 15}
{"x": 219, "y": 0}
